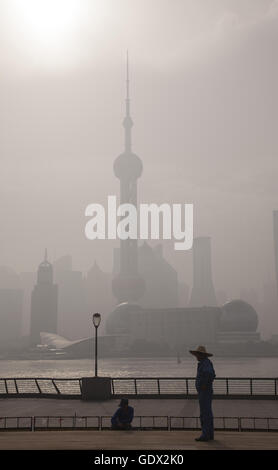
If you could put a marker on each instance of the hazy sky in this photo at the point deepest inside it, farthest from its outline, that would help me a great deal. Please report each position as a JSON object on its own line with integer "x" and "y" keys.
{"x": 204, "y": 103}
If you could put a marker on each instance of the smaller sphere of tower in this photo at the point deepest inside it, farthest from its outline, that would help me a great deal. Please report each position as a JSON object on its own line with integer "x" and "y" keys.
{"x": 128, "y": 166}
{"x": 129, "y": 288}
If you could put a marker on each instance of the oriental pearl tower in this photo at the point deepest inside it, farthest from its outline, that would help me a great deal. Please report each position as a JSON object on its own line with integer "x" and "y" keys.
{"x": 128, "y": 286}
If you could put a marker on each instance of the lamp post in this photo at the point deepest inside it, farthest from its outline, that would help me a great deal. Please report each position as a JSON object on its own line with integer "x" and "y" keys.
{"x": 96, "y": 388}
{"x": 96, "y": 322}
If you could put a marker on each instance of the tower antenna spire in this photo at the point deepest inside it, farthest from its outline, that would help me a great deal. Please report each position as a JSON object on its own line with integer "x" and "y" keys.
{"x": 128, "y": 124}
{"x": 127, "y": 76}
{"x": 127, "y": 86}
{"x": 45, "y": 255}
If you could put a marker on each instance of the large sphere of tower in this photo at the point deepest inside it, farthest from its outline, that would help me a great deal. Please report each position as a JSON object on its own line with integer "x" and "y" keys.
{"x": 128, "y": 166}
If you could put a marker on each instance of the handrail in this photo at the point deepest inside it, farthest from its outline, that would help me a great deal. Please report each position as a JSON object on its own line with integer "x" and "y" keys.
{"x": 166, "y": 387}
{"x": 66, "y": 379}
{"x": 152, "y": 422}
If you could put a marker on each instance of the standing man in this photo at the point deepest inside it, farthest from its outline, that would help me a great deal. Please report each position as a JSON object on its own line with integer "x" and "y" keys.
{"x": 204, "y": 380}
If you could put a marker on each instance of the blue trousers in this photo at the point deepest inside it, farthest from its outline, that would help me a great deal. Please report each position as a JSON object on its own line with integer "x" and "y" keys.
{"x": 206, "y": 416}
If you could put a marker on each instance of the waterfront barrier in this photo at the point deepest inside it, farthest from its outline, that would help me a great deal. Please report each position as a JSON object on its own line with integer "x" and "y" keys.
{"x": 161, "y": 387}
{"x": 140, "y": 423}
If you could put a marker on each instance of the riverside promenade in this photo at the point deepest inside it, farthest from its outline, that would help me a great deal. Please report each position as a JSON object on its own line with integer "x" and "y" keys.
{"x": 143, "y": 407}
{"x": 135, "y": 440}
{"x": 66, "y": 439}
{"x": 49, "y": 414}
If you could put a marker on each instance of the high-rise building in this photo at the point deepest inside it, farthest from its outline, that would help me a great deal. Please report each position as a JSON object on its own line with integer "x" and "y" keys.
{"x": 203, "y": 293}
{"x": 27, "y": 282}
{"x": 44, "y": 303}
{"x": 11, "y": 296}
{"x": 128, "y": 286}
{"x": 73, "y": 319}
{"x": 161, "y": 280}
{"x": 99, "y": 297}
{"x": 268, "y": 321}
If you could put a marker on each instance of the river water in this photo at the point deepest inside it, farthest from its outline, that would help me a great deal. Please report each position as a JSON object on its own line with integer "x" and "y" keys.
{"x": 138, "y": 367}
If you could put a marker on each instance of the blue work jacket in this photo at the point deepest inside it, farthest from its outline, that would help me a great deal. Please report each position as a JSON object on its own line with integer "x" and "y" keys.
{"x": 123, "y": 415}
{"x": 205, "y": 375}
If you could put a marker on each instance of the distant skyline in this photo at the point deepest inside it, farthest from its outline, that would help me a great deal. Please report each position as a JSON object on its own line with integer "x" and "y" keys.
{"x": 204, "y": 100}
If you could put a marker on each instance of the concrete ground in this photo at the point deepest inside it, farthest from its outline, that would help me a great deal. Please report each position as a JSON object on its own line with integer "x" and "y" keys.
{"x": 112, "y": 440}
{"x": 136, "y": 440}
{"x": 149, "y": 407}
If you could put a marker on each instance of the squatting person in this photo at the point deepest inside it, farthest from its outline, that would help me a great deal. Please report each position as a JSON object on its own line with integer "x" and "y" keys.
{"x": 204, "y": 381}
{"x": 123, "y": 417}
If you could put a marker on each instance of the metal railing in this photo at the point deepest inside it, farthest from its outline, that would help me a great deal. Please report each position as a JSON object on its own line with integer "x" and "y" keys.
{"x": 140, "y": 423}
{"x": 185, "y": 387}
{"x": 40, "y": 387}
{"x": 162, "y": 387}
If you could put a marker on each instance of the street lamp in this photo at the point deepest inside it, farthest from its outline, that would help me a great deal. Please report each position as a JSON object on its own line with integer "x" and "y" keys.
{"x": 96, "y": 322}
{"x": 96, "y": 388}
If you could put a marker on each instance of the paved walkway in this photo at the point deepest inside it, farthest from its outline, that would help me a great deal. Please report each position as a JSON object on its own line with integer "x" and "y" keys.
{"x": 136, "y": 440}
{"x": 169, "y": 407}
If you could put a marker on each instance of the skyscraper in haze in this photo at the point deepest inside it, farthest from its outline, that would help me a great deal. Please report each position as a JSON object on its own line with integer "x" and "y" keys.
{"x": 161, "y": 280}
{"x": 128, "y": 286}
{"x": 203, "y": 293}
{"x": 73, "y": 318}
{"x": 11, "y": 298}
{"x": 44, "y": 303}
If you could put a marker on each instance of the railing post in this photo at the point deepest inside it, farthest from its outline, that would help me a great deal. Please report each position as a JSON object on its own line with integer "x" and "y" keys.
{"x": 251, "y": 387}
{"x": 135, "y": 386}
{"x": 39, "y": 388}
{"x": 158, "y": 386}
{"x": 55, "y": 386}
{"x": 227, "y": 386}
{"x": 187, "y": 390}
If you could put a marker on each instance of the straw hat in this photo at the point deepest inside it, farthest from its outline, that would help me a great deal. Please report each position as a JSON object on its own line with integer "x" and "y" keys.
{"x": 201, "y": 350}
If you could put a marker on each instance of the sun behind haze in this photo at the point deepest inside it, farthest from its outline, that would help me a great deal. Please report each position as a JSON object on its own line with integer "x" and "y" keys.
{"x": 204, "y": 103}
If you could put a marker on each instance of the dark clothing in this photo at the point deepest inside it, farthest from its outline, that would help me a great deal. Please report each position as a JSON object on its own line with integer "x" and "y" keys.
{"x": 204, "y": 379}
{"x": 123, "y": 416}
{"x": 205, "y": 375}
{"x": 206, "y": 416}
